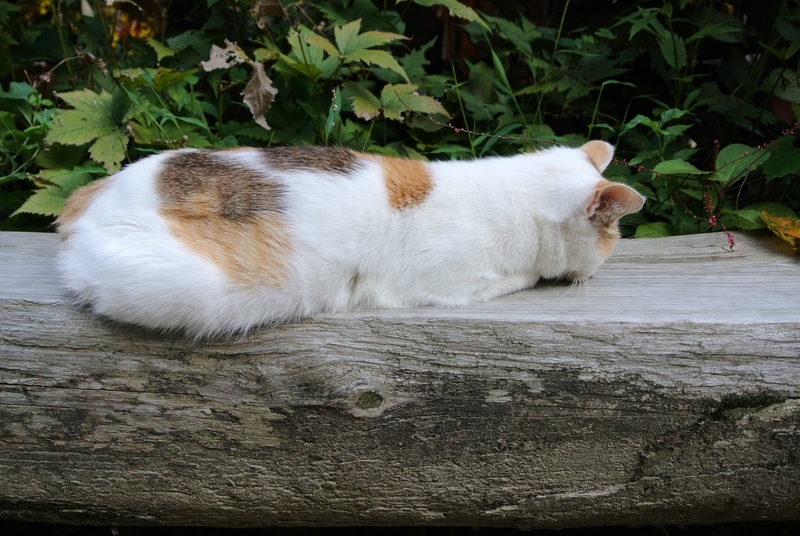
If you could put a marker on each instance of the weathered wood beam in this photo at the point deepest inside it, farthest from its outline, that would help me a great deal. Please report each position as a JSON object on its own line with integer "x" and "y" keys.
{"x": 667, "y": 391}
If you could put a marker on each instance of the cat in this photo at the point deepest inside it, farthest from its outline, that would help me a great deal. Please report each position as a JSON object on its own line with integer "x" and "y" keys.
{"x": 214, "y": 242}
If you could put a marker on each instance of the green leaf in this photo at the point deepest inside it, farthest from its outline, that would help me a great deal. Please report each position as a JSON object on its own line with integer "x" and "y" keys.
{"x": 677, "y": 167}
{"x": 345, "y": 36}
{"x": 70, "y": 179}
{"x": 736, "y": 160}
{"x": 721, "y": 31}
{"x": 47, "y": 201}
{"x": 397, "y": 98}
{"x": 365, "y": 105}
{"x": 161, "y": 50}
{"x": 641, "y": 19}
{"x": 784, "y": 160}
{"x": 775, "y": 209}
{"x": 750, "y": 217}
{"x": 373, "y": 39}
{"x": 92, "y": 118}
{"x": 500, "y": 71}
{"x": 17, "y": 91}
{"x": 333, "y": 112}
{"x": 657, "y": 229}
{"x": 110, "y": 151}
{"x": 378, "y": 57}
{"x": 457, "y": 9}
{"x": 673, "y": 50}
{"x": 321, "y": 42}
{"x": 783, "y": 83}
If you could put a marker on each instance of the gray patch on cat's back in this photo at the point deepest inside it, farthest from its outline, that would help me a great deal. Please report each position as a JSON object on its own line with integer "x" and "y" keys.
{"x": 337, "y": 160}
{"x": 201, "y": 183}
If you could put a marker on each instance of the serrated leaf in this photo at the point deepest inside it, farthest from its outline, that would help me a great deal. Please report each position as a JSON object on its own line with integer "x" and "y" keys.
{"x": 46, "y": 201}
{"x": 673, "y": 50}
{"x": 378, "y": 57}
{"x": 109, "y": 151}
{"x": 373, "y": 39}
{"x": 424, "y": 104}
{"x": 70, "y": 180}
{"x": 365, "y": 105}
{"x": 161, "y": 50}
{"x": 457, "y": 9}
{"x": 324, "y": 44}
{"x": 677, "y": 167}
{"x": 640, "y": 20}
{"x": 92, "y": 118}
{"x": 397, "y": 98}
{"x": 345, "y": 35}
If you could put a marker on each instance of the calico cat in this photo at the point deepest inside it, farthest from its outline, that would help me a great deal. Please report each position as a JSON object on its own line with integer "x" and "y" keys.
{"x": 217, "y": 242}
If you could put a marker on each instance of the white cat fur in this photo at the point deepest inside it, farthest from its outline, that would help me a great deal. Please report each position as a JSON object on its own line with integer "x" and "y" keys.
{"x": 485, "y": 228}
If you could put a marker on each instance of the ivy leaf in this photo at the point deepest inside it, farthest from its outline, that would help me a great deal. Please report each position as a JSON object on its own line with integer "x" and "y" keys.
{"x": 380, "y": 58}
{"x": 365, "y": 105}
{"x": 259, "y": 94}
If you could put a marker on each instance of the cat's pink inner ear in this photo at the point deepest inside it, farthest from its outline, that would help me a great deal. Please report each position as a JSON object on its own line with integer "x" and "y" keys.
{"x": 599, "y": 152}
{"x": 611, "y": 201}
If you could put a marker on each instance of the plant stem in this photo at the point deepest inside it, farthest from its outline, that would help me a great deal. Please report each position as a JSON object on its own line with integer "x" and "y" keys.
{"x": 57, "y": 18}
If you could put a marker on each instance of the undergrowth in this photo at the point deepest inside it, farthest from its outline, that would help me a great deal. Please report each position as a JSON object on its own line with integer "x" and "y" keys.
{"x": 700, "y": 97}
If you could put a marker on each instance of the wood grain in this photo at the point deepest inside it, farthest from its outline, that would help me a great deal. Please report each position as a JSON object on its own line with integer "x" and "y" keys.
{"x": 667, "y": 391}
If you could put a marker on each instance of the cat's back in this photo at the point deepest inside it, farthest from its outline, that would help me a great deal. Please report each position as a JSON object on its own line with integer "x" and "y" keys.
{"x": 192, "y": 232}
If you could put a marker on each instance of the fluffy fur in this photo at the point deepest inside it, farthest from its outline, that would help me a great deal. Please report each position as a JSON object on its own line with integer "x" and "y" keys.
{"x": 215, "y": 242}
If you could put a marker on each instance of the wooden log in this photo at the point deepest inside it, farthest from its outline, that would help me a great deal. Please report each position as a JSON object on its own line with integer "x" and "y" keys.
{"x": 665, "y": 391}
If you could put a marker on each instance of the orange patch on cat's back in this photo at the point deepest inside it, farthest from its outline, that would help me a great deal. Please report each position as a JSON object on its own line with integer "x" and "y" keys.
{"x": 78, "y": 203}
{"x": 251, "y": 253}
{"x": 226, "y": 213}
{"x": 408, "y": 182}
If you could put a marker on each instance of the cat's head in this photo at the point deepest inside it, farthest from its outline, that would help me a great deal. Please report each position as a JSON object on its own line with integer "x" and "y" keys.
{"x": 590, "y": 217}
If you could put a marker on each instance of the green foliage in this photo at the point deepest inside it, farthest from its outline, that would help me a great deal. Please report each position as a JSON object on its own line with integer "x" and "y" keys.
{"x": 695, "y": 95}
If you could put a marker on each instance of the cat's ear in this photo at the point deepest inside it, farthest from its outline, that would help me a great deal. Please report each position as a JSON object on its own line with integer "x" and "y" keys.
{"x": 599, "y": 152}
{"x": 611, "y": 201}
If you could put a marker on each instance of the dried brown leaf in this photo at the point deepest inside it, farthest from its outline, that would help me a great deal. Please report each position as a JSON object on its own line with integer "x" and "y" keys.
{"x": 224, "y": 58}
{"x": 259, "y": 94}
